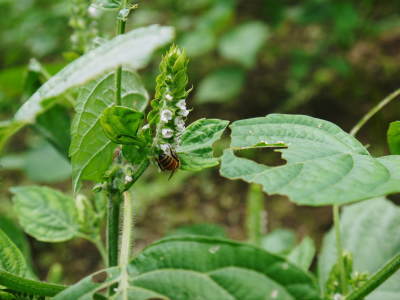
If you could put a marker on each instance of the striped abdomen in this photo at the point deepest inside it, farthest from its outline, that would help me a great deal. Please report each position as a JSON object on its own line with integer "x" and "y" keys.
{"x": 168, "y": 162}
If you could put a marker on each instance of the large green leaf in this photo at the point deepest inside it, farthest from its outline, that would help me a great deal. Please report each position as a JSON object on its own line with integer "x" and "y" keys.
{"x": 133, "y": 49}
{"x": 195, "y": 151}
{"x": 325, "y": 165}
{"x": 91, "y": 151}
{"x": 203, "y": 268}
{"x": 46, "y": 214}
{"x": 244, "y": 42}
{"x": 370, "y": 231}
{"x": 11, "y": 258}
{"x": 393, "y": 137}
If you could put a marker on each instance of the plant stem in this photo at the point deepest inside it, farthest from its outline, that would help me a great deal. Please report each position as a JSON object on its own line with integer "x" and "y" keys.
{"x": 142, "y": 167}
{"x": 376, "y": 280}
{"x": 114, "y": 203}
{"x": 255, "y": 214}
{"x": 121, "y": 24}
{"x": 373, "y": 111}
{"x": 339, "y": 250}
{"x": 29, "y": 286}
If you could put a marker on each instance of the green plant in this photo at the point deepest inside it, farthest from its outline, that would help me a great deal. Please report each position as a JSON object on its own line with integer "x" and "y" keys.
{"x": 116, "y": 135}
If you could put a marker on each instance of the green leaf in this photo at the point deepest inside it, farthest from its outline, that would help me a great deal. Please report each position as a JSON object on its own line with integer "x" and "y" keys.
{"x": 46, "y": 214}
{"x": 120, "y": 124}
{"x": 370, "y": 231}
{"x": 198, "y": 42}
{"x": 133, "y": 49}
{"x": 91, "y": 151}
{"x": 279, "y": 241}
{"x": 195, "y": 151}
{"x": 393, "y": 137}
{"x": 221, "y": 85}
{"x": 210, "y": 230}
{"x": 203, "y": 268}
{"x": 11, "y": 258}
{"x": 303, "y": 254}
{"x": 8, "y": 129}
{"x": 325, "y": 165}
{"x": 244, "y": 42}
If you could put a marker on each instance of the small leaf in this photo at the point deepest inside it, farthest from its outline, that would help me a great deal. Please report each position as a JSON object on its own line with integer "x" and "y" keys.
{"x": 222, "y": 270}
{"x": 198, "y": 42}
{"x": 279, "y": 241}
{"x": 370, "y": 231}
{"x": 11, "y": 258}
{"x": 302, "y": 255}
{"x": 244, "y": 42}
{"x": 91, "y": 151}
{"x": 393, "y": 137}
{"x": 325, "y": 165}
{"x": 195, "y": 151}
{"x": 46, "y": 214}
{"x": 221, "y": 85}
{"x": 120, "y": 124}
{"x": 210, "y": 230}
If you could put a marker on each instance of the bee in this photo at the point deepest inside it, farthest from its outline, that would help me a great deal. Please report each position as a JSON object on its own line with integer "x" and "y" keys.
{"x": 168, "y": 162}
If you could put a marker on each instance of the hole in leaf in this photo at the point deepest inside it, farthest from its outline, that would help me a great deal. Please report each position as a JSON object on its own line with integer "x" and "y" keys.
{"x": 265, "y": 156}
{"x": 100, "y": 277}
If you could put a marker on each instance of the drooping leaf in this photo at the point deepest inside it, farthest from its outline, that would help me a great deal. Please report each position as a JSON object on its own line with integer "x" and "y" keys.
{"x": 11, "y": 258}
{"x": 279, "y": 241}
{"x": 120, "y": 124}
{"x": 45, "y": 213}
{"x": 325, "y": 165}
{"x": 133, "y": 49}
{"x": 203, "y": 268}
{"x": 91, "y": 151}
{"x": 222, "y": 85}
{"x": 302, "y": 255}
{"x": 195, "y": 151}
{"x": 393, "y": 137}
{"x": 370, "y": 231}
{"x": 244, "y": 42}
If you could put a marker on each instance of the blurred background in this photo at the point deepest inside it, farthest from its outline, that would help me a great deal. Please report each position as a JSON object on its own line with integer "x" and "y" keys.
{"x": 325, "y": 58}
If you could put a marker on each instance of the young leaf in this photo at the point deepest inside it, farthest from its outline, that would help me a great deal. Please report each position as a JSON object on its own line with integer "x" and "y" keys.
{"x": 133, "y": 49}
{"x": 302, "y": 255}
{"x": 11, "y": 258}
{"x": 120, "y": 124}
{"x": 222, "y": 270}
{"x": 46, "y": 214}
{"x": 195, "y": 150}
{"x": 325, "y": 165}
{"x": 370, "y": 231}
{"x": 91, "y": 151}
{"x": 393, "y": 137}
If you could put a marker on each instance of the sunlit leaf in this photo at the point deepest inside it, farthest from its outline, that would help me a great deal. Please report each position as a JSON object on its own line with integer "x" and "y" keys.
{"x": 195, "y": 151}
{"x": 370, "y": 231}
{"x": 393, "y": 137}
{"x": 46, "y": 214}
{"x": 11, "y": 258}
{"x": 325, "y": 165}
{"x": 91, "y": 151}
{"x": 222, "y": 270}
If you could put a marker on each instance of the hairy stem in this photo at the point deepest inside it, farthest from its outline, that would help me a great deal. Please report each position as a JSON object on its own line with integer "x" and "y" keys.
{"x": 126, "y": 244}
{"x": 29, "y": 286}
{"x": 373, "y": 111}
{"x": 339, "y": 250}
{"x": 376, "y": 280}
{"x": 121, "y": 24}
{"x": 114, "y": 203}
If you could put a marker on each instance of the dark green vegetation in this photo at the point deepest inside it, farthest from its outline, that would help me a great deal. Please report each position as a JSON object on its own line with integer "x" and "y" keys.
{"x": 246, "y": 94}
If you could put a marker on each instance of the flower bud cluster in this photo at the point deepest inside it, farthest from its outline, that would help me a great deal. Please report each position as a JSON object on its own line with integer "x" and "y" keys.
{"x": 83, "y": 18}
{"x": 168, "y": 115}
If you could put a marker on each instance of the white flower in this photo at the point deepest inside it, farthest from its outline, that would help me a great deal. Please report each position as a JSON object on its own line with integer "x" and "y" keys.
{"x": 123, "y": 14}
{"x": 169, "y": 97}
{"x": 180, "y": 124}
{"x": 167, "y": 133}
{"x": 93, "y": 11}
{"x": 181, "y": 104}
{"x": 166, "y": 115}
{"x": 147, "y": 126}
{"x": 184, "y": 112}
{"x": 128, "y": 178}
{"x": 165, "y": 147}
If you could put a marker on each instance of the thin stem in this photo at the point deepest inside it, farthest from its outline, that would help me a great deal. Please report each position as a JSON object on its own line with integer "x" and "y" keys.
{"x": 29, "y": 286}
{"x": 101, "y": 248}
{"x": 121, "y": 24}
{"x": 376, "y": 280}
{"x": 126, "y": 245}
{"x": 255, "y": 214}
{"x": 373, "y": 111}
{"x": 142, "y": 167}
{"x": 339, "y": 250}
{"x": 114, "y": 204}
